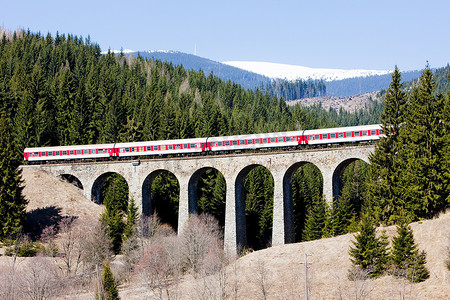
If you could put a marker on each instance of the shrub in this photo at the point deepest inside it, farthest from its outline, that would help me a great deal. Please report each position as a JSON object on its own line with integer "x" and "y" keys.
{"x": 24, "y": 248}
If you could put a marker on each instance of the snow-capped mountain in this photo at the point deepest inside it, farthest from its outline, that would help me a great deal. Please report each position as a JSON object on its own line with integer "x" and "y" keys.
{"x": 293, "y": 72}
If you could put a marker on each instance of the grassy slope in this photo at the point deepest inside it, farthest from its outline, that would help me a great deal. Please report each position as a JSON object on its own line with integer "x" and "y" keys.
{"x": 282, "y": 264}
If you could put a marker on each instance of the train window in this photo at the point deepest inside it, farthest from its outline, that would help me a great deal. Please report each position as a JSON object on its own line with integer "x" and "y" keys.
{"x": 348, "y": 134}
{"x": 43, "y": 154}
{"x": 192, "y": 146}
{"x": 357, "y": 133}
{"x": 177, "y": 147}
{"x": 324, "y": 136}
{"x": 50, "y": 153}
{"x": 57, "y": 153}
{"x": 272, "y": 140}
{"x": 64, "y": 152}
{"x": 234, "y": 143}
{"x": 86, "y": 151}
{"x": 242, "y": 142}
{"x": 333, "y": 136}
{"x": 127, "y": 149}
{"x": 365, "y": 132}
{"x": 199, "y": 145}
{"x": 227, "y": 143}
{"x": 170, "y": 147}
{"x": 36, "y": 154}
{"x": 310, "y": 137}
{"x": 78, "y": 151}
{"x": 185, "y": 146}
{"x": 264, "y": 140}
{"x": 373, "y": 132}
{"x": 340, "y": 135}
{"x": 220, "y": 144}
{"x": 288, "y": 139}
{"x": 249, "y": 142}
{"x": 317, "y": 136}
{"x": 257, "y": 141}
{"x": 71, "y": 152}
{"x": 133, "y": 149}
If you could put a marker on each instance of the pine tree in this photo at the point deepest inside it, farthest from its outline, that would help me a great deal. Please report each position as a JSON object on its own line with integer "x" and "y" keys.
{"x": 115, "y": 198}
{"x": 406, "y": 257}
{"x": 422, "y": 173}
{"x": 109, "y": 285}
{"x": 132, "y": 220}
{"x": 12, "y": 202}
{"x": 369, "y": 251}
{"x": 384, "y": 192}
{"x": 316, "y": 224}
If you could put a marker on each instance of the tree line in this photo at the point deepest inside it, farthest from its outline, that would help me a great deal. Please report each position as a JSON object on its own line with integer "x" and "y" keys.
{"x": 62, "y": 91}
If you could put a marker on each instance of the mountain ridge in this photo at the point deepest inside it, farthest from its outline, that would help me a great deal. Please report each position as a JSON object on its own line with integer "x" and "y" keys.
{"x": 340, "y": 86}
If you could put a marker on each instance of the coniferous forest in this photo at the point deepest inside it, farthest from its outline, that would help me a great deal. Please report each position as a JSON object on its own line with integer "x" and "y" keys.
{"x": 60, "y": 90}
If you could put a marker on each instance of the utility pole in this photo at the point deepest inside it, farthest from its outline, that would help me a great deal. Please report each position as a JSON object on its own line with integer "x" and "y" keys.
{"x": 306, "y": 263}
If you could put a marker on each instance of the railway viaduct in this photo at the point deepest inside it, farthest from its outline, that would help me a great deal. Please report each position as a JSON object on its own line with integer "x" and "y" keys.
{"x": 140, "y": 174}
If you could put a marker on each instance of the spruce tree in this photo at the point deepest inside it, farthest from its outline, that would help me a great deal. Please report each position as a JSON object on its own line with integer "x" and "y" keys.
{"x": 132, "y": 220}
{"x": 384, "y": 192}
{"x": 405, "y": 256}
{"x": 422, "y": 174}
{"x": 369, "y": 252}
{"x": 109, "y": 285}
{"x": 317, "y": 223}
{"x": 115, "y": 198}
{"x": 12, "y": 202}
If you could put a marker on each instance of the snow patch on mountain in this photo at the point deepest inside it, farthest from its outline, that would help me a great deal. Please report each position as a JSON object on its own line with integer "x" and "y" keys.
{"x": 124, "y": 51}
{"x": 293, "y": 72}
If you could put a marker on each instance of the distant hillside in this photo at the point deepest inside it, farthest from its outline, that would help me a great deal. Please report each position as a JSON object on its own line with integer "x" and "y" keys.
{"x": 363, "y": 85}
{"x": 247, "y": 80}
{"x": 250, "y": 80}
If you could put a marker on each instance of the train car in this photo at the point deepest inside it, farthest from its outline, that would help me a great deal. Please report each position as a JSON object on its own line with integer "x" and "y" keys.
{"x": 198, "y": 145}
{"x": 255, "y": 141}
{"x": 161, "y": 147}
{"x": 343, "y": 134}
{"x": 69, "y": 152}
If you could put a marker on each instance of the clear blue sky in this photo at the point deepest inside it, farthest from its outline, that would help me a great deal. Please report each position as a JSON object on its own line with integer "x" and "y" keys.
{"x": 348, "y": 34}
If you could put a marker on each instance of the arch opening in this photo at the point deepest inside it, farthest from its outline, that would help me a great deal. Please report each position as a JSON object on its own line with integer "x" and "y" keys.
{"x": 254, "y": 207}
{"x": 349, "y": 194}
{"x": 111, "y": 188}
{"x": 303, "y": 200}
{"x": 207, "y": 193}
{"x": 72, "y": 180}
{"x": 160, "y": 196}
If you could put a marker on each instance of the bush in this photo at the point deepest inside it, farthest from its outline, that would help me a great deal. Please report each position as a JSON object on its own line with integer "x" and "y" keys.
{"x": 25, "y": 248}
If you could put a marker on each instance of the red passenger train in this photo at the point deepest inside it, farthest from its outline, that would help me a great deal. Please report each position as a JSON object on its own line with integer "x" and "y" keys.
{"x": 197, "y": 145}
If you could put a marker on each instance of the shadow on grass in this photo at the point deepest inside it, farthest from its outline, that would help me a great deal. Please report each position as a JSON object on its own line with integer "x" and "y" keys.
{"x": 40, "y": 218}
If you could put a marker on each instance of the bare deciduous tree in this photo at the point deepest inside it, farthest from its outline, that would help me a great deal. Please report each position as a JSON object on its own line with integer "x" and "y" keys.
{"x": 361, "y": 281}
{"x": 202, "y": 235}
{"x": 82, "y": 242}
{"x": 261, "y": 279}
{"x": 156, "y": 270}
{"x": 39, "y": 279}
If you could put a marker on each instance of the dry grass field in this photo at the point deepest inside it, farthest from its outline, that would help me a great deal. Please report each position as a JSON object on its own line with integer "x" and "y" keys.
{"x": 273, "y": 273}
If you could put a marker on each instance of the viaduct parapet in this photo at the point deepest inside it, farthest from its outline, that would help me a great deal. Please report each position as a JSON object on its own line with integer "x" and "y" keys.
{"x": 282, "y": 165}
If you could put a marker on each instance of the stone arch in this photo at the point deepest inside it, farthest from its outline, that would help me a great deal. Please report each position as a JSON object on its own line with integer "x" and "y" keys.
{"x": 193, "y": 192}
{"x": 241, "y": 221}
{"x": 96, "y": 191}
{"x": 72, "y": 179}
{"x": 148, "y": 205}
{"x": 288, "y": 201}
{"x": 338, "y": 172}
